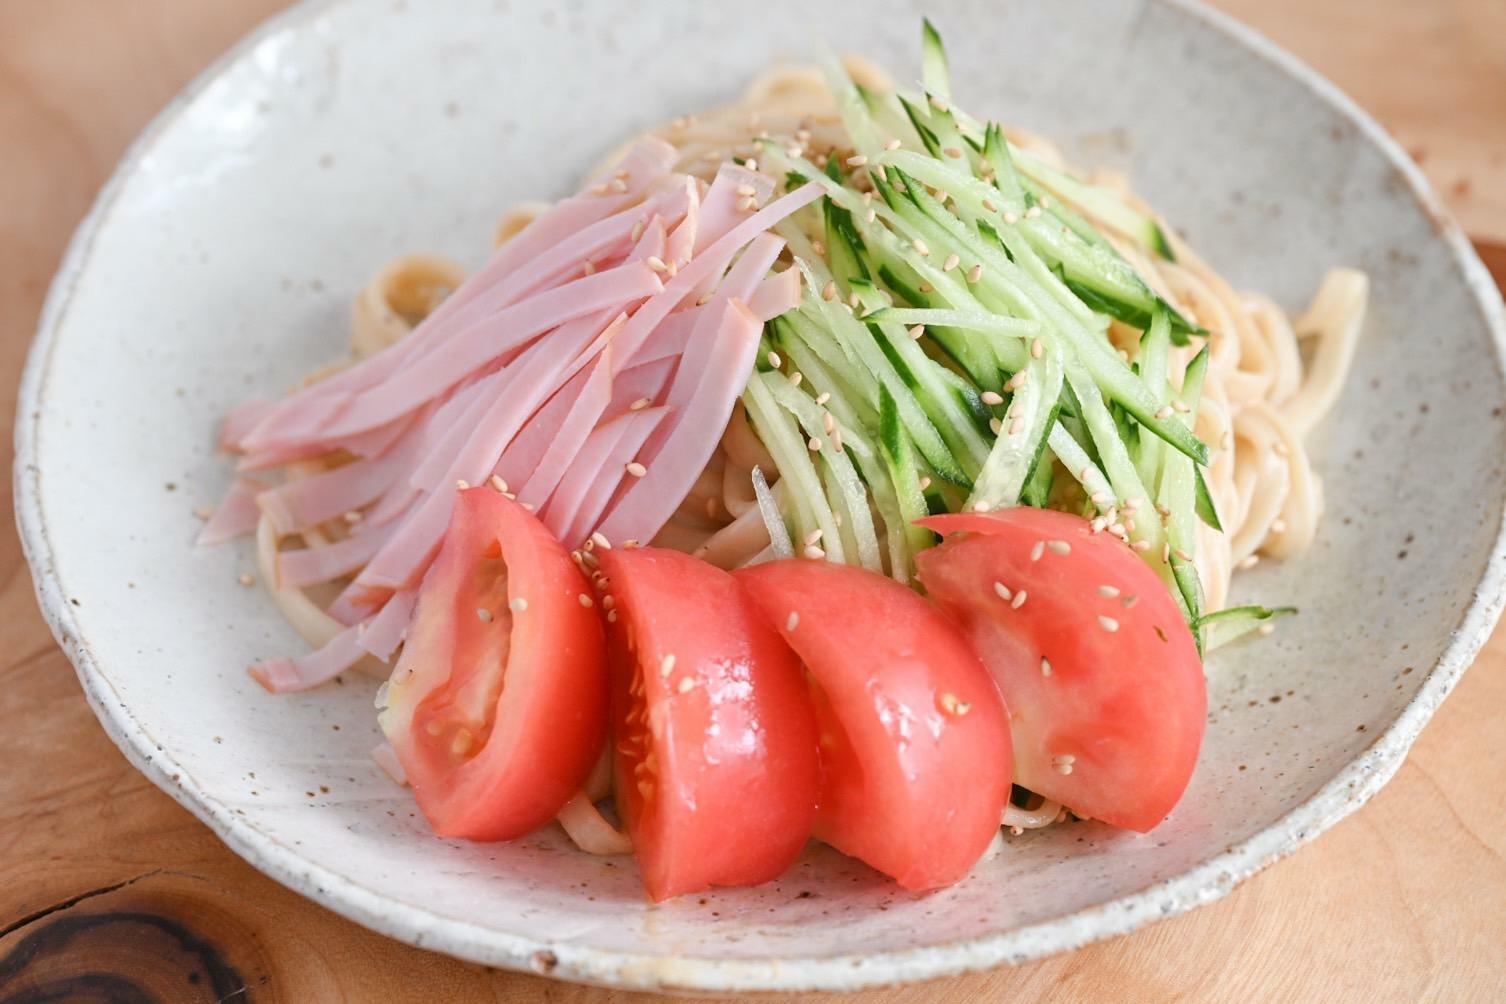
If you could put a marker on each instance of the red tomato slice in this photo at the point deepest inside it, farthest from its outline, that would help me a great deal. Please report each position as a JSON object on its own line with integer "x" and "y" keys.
{"x": 1100, "y": 672}
{"x": 497, "y": 708}
{"x": 715, "y": 744}
{"x": 915, "y": 758}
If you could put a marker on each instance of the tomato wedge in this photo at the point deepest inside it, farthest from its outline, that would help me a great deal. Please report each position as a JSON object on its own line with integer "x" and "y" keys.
{"x": 715, "y": 743}
{"x": 1101, "y": 674}
{"x": 915, "y": 756}
{"x": 497, "y": 709}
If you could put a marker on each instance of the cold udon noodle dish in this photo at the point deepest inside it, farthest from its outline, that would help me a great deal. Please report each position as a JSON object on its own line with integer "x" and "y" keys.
{"x": 834, "y": 463}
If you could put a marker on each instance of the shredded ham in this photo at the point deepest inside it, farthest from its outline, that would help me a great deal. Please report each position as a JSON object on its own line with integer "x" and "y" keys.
{"x": 592, "y": 363}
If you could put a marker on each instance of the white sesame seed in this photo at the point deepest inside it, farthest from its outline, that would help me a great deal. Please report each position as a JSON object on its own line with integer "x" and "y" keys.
{"x": 747, "y": 205}
{"x": 600, "y": 540}
{"x": 870, "y": 216}
{"x": 938, "y": 104}
{"x": 608, "y": 602}
{"x": 246, "y": 579}
{"x": 484, "y": 615}
{"x": 774, "y": 360}
{"x": 1278, "y": 526}
{"x": 813, "y": 537}
{"x": 1037, "y": 549}
{"x": 1016, "y": 427}
{"x": 856, "y": 161}
{"x": 667, "y": 665}
{"x": 1045, "y": 666}
{"x": 585, "y": 600}
{"x": 1002, "y": 591}
{"x": 1141, "y": 545}
{"x": 989, "y": 205}
{"x": 926, "y": 287}
{"x": 792, "y": 621}
{"x": 1017, "y": 381}
{"x": 981, "y": 505}
{"x": 836, "y": 440}
{"x": 952, "y": 261}
{"x": 1063, "y": 768}
{"x": 1108, "y": 592}
{"x": 996, "y": 425}
{"x": 1037, "y": 349}
{"x": 517, "y": 604}
{"x": 656, "y": 263}
{"x": 975, "y": 273}
{"x": 462, "y": 484}
{"x": 1011, "y": 219}
{"x": 818, "y": 247}
{"x": 746, "y": 191}
{"x": 893, "y": 144}
{"x": 823, "y": 397}
{"x": 635, "y": 469}
{"x": 1059, "y": 546}
{"x": 1266, "y": 628}
{"x": 952, "y": 152}
{"x": 685, "y": 685}
{"x": 925, "y": 482}
{"x": 204, "y": 512}
{"x": 1064, "y": 758}
{"x": 1164, "y": 413}
{"x": 1181, "y": 406}
{"x": 1249, "y": 561}
{"x": 1019, "y": 600}
{"x": 814, "y": 553}
{"x": 1108, "y": 623}
{"x": 917, "y": 331}
{"x": 1033, "y": 213}
{"x": 611, "y": 617}
{"x": 814, "y": 444}
{"x": 991, "y": 397}
{"x": 829, "y": 291}
{"x": 1183, "y": 555}
{"x": 921, "y": 246}
{"x": 796, "y": 378}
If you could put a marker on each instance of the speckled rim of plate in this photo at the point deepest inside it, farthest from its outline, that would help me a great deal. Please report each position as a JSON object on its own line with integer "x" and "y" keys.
{"x": 1207, "y": 882}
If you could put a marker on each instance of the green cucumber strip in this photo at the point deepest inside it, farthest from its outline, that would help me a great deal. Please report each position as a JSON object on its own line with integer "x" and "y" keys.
{"x": 1202, "y": 500}
{"x": 846, "y": 488}
{"x": 851, "y": 106}
{"x": 1037, "y": 491}
{"x": 1177, "y": 494}
{"x": 852, "y": 411}
{"x": 933, "y": 67}
{"x": 844, "y": 249}
{"x": 903, "y": 475}
{"x": 1006, "y": 176}
{"x": 862, "y": 348}
{"x": 1081, "y": 466}
{"x": 931, "y": 389}
{"x": 1014, "y": 456}
{"x": 992, "y": 324}
{"x": 773, "y": 520}
{"x": 1152, "y": 361}
{"x": 1098, "y": 203}
{"x": 780, "y": 436}
{"x": 1233, "y": 623}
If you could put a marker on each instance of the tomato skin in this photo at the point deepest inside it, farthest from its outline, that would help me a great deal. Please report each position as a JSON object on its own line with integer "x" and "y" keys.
{"x": 730, "y": 794}
{"x": 913, "y": 782}
{"x": 1128, "y": 704}
{"x": 528, "y": 686}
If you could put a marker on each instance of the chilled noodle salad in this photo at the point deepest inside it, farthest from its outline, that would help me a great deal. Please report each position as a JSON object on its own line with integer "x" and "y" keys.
{"x": 834, "y": 464}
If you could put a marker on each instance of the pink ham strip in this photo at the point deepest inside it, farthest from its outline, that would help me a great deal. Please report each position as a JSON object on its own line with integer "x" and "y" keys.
{"x": 578, "y": 503}
{"x": 283, "y": 676}
{"x": 644, "y": 382}
{"x": 387, "y": 628}
{"x": 585, "y": 411}
{"x": 236, "y": 514}
{"x": 405, "y": 556}
{"x": 308, "y": 502}
{"x": 647, "y": 505}
{"x": 682, "y": 240}
{"x": 310, "y": 566}
{"x": 711, "y": 263}
{"x": 448, "y": 364}
{"x": 775, "y": 295}
{"x": 600, "y": 243}
{"x": 646, "y": 162}
{"x": 242, "y": 419}
{"x": 526, "y": 452}
{"x": 719, "y": 212}
{"x": 526, "y": 383}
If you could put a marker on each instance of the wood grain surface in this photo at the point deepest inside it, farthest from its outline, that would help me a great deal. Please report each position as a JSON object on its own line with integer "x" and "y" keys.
{"x": 110, "y": 891}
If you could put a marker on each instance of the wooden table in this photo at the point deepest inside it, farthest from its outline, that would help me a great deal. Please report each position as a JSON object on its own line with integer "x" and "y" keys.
{"x": 102, "y": 874}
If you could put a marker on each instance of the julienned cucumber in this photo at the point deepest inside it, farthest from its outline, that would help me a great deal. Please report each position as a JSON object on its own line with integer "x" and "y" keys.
{"x": 955, "y": 336}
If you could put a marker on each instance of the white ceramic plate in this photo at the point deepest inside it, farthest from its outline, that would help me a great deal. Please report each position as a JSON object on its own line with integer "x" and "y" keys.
{"x": 219, "y": 261}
